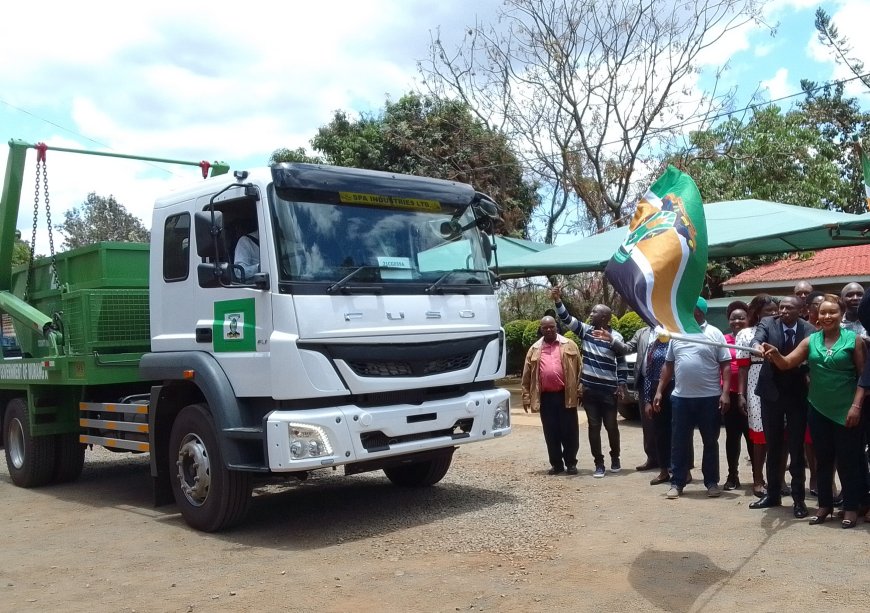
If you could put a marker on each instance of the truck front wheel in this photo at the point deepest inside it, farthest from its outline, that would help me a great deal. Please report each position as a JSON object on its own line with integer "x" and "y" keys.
{"x": 210, "y": 496}
{"x": 420, "y": 473}
{"x": 30, "y": 459}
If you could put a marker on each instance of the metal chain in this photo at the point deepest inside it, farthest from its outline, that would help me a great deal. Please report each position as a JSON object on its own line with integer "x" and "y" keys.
{"x": 50, "y": 229}
{"x": 41, "y": 168}
{"x": 33, "y": 235}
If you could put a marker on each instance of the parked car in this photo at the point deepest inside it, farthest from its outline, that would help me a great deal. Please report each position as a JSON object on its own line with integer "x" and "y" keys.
{"x": 628, "y": 406}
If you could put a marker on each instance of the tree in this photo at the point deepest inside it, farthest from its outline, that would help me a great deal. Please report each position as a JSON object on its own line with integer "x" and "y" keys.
{"x": 774, "y": 155}
{"x": 589, "y": 90}
{"x": 101, "y": 219}
{"x": 432, "y": 137}
{"x": 839, "y": 47}
{"x": 20, "y": 251}
{"x": 802, "y": 157}
{"x": 293, "y": 155}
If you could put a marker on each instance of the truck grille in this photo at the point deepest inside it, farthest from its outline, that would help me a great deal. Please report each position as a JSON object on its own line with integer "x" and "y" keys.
{"x": 410, "y": 368}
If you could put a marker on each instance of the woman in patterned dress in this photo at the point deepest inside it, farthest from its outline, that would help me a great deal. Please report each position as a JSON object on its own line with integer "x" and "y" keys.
{"x": 763, "y": 305}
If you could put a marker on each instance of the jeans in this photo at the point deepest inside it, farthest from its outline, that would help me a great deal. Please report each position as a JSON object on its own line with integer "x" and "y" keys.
{"x": 600, "y": 408}
{"x": 685, "y": 415}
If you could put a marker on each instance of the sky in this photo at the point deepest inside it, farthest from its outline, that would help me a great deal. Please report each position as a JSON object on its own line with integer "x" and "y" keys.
{"x": 234, "y": 81}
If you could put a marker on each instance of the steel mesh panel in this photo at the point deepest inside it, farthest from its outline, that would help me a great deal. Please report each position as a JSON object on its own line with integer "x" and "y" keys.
{"x": 106, "y": 320}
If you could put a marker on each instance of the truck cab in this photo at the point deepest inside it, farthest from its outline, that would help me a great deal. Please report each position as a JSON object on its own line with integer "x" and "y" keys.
{"x": 367, "y": 336}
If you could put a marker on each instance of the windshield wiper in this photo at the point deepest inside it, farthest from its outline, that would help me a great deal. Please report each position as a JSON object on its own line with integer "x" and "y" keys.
{"x": 342, "y": 283}
{"x": 434, "y": 287}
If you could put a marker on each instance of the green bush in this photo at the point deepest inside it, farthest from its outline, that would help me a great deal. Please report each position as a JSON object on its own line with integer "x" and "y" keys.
{"x": 629, "y": 324}
{"x": 513, "y": 332}
{"x": 530, "y": 334}
{"x": 516, "y": 355}
{"x": 570, "y": 335}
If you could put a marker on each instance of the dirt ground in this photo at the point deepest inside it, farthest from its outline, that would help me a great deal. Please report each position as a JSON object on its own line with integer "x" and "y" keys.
{"x": 497, "y": 534}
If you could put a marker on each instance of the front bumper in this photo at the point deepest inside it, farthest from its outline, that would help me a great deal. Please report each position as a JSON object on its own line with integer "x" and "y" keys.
{"x": 347, "y": 434}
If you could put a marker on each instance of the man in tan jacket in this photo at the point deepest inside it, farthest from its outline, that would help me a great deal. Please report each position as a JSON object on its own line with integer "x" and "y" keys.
{"x": 550, "y": 381}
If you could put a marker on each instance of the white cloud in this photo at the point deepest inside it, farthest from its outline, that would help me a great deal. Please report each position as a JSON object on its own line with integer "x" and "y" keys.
{"x": 762, "y": 50}
{"x": 189, "y": 81}
{"x": 778, "y": 86}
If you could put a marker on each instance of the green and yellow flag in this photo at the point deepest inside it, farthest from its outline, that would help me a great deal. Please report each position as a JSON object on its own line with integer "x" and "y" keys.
{"x": 659, "y": 268}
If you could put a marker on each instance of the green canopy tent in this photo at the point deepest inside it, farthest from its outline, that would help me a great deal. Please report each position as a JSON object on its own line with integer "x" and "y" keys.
{"x": 734, "y": 228}
{"x": 510, "y": 250}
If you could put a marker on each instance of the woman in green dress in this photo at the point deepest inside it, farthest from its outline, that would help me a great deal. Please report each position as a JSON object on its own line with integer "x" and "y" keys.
{"x": 836, "y": 358}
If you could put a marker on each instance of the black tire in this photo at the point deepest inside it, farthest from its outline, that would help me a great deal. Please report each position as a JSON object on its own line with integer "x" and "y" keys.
{"x": 69, "y": 458}
{"x": 30, "y": 459}
{"x": 421, "y": 473}
{"x": 209, "y": 496}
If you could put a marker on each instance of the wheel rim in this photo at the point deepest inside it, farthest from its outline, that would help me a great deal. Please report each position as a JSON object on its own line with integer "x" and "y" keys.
{"x": 194, "y": 470}
{"x": 15, "y": 443}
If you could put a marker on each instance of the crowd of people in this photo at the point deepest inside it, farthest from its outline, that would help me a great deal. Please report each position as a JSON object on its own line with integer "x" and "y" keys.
{"x": 787, "y": 381}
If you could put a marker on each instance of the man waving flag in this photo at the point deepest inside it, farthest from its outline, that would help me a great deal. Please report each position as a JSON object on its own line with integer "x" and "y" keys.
{"x": 659, "y": 269}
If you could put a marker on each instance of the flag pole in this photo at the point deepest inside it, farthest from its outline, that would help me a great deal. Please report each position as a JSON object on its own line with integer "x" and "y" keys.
{"x": 665, "y": 335}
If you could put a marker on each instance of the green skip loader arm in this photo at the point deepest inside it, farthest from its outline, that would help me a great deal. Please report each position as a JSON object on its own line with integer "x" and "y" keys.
{"x": 10, "y": 199}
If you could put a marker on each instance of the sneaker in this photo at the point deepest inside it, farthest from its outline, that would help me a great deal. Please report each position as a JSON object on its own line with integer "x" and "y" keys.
{"x": 714, "y": 491}
{"x": 615, "y": 466}
{"x": 572, "y": 470}
{"x": 599, "y": 471}
{"x": 673, "y": 493}
{"x": 731, "y": 484}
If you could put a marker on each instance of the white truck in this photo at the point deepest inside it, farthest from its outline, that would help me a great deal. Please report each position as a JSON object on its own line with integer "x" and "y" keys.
{"x": 367, "y": 337}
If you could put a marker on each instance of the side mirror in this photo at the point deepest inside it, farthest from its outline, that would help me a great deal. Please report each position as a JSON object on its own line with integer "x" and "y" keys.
{"x": 210, "y": 241}
{"x": 485, "y": 205}
{"x": 486, "y": 243}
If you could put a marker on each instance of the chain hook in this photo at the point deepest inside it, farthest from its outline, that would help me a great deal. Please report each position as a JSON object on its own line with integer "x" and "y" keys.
{"x": 41, "y": 170}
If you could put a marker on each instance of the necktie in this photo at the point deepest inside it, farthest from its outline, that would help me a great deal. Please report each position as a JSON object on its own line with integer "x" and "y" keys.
{"x": 789, "y": 342}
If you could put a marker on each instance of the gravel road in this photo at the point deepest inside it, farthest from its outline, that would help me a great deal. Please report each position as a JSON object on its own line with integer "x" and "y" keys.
{"x": 496, "y": 534}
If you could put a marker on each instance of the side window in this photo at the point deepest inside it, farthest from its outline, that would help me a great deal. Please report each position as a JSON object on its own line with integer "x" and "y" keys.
{"x": 176, "y": 247}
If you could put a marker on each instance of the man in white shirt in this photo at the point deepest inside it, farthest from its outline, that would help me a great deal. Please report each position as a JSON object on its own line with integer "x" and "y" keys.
{"x": 698, "y": 400}
{"x": 247, "y": 256}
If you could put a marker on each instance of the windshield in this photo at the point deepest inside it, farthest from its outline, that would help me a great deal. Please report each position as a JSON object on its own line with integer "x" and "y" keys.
{"x": 406, "y": 244}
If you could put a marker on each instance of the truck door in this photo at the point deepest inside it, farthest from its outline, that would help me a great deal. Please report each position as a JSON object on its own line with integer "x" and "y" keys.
{"x": 231, "y": 320}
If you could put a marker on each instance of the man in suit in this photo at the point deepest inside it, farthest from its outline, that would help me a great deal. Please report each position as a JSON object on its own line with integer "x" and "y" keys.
{"x": 783, "y": 401}
{"x": 639, "y": 344}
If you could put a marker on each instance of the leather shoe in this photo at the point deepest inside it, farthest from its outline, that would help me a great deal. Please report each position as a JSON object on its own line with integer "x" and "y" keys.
{"x": 800, "y": 510}
{"x": 571, "y": 470}
{"x": 765, "y": 502}
{"x": 646, "y": 466}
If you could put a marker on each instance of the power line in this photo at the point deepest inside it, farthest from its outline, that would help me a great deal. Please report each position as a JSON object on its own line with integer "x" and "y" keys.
{"x": 73, "y": 132}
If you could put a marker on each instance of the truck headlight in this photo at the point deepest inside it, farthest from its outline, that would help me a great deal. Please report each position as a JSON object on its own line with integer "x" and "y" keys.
{"x": 502, "y": 417}
{"x": 308, "y": 441}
